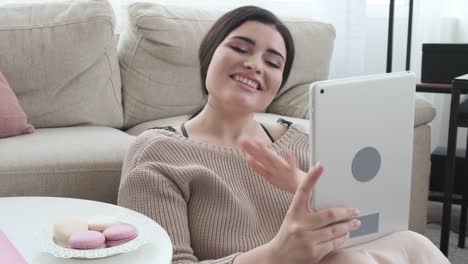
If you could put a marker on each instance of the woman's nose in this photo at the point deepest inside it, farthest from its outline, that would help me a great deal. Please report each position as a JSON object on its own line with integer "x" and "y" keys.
{"x": 253, "y": 64}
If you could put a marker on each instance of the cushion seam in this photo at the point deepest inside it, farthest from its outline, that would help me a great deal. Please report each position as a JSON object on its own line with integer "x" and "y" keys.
{"x": 146, "y": 15}
{"x": 55, "y": 171}
{"x": 111, "y": 75}
{"x": 71, "y": 22}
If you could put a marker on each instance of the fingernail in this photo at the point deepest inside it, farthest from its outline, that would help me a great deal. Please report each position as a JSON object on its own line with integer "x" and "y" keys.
{"x": 318, "y": 164}
{"x": 356, "y": 223}
{"x": 356, "y": 212}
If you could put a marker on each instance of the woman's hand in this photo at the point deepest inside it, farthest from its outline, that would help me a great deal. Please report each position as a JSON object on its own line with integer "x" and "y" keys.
{"x": 307, "y": 236}
{"x": 282, "y": 173}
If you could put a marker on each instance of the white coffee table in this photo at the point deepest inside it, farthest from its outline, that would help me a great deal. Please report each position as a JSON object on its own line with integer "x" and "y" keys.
{"x": 23, "y": 217}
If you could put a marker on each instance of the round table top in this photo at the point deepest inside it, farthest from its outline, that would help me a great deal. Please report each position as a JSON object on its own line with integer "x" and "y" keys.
{"x": 24, "y": 217}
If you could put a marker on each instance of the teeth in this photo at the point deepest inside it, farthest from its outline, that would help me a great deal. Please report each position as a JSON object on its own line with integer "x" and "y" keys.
{"x": 250, "y": 83}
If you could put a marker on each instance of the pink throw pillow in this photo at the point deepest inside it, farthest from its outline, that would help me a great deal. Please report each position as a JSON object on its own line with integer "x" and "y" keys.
{"x": 13, "y": 120}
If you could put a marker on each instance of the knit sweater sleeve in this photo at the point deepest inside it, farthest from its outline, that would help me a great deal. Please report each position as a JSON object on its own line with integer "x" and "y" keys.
{"x": 147, "y": 188}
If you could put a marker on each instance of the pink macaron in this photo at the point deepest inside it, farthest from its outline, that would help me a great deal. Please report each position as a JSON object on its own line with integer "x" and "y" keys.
{"x": 119, "y": 234}
{"x": 87, "y": 239}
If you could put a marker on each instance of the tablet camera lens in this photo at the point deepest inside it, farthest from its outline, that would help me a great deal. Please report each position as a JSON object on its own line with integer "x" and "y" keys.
{"x": 322, "y": 91}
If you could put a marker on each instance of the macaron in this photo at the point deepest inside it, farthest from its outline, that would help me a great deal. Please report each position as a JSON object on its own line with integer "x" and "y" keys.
{"x": 65, "y": 226}
{"x": 119, "y": 234}
{"x": 87, "y": 239}
{"x": 101, "y": 223}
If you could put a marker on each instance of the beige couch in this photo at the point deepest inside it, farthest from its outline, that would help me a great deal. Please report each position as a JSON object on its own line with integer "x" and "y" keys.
{"x": 89, "y": 95}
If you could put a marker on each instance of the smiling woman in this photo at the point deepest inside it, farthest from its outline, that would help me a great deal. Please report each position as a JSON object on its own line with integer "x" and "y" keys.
{"x": 229, "y": 189}
{"x": 245, "y": 60}
{"x": 252, "y": 54}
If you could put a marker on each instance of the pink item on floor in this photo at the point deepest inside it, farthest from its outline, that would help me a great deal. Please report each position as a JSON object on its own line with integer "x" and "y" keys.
{"x": 8, "y": 252}
{"x": 88, "y": 239}
{"x": 120, "y": 234}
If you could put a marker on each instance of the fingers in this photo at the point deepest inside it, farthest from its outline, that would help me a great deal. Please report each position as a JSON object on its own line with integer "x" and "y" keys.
{"x": 334, "y": 231}
{"x": 290, "y": 158}
{"x": 261, "y": 153}
{"x": 331, "y": 245}
{"x": 325, "y": 217}
{"x": 302, "y": 197}
{"x": 258, "y": 167}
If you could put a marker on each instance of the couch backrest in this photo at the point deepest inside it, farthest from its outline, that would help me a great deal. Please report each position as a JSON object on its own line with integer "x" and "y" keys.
{"x": 158, "y": 53}
{"x": 61, "y": 61}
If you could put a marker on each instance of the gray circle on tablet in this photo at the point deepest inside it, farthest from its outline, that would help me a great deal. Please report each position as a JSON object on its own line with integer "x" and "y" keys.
{"x": 366, "y": 164}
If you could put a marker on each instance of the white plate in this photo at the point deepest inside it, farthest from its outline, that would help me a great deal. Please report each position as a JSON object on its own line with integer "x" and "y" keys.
{"x": 46, "y": 243}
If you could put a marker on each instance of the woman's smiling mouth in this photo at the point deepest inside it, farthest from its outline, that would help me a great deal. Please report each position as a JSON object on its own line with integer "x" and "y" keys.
{"x": 251, "y": 84}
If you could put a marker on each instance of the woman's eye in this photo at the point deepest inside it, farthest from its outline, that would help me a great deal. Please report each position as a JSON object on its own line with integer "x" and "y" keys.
{"x": 272, "y": 64}
{"x": 238, "y": 49}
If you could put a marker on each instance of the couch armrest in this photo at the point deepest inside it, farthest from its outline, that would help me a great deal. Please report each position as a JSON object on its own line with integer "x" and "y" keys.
{"x": 295, "y": 103}
{"x": 424, "y": 111}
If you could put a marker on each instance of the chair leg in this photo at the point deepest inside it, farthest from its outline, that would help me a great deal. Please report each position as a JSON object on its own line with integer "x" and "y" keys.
{"x": 449, "y": 170}
{"x": 464, "y": 202}
{"x": 462, "y": 231}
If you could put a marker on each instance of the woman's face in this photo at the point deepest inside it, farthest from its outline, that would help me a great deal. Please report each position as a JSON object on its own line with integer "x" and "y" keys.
{"x": 246, "y": 70}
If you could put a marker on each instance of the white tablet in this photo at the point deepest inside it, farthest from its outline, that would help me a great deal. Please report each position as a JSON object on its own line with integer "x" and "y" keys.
{"x": 362, "y": 132}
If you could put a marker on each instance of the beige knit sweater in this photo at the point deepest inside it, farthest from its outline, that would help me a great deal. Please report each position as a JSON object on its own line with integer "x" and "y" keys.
{"x": 208, "y": 199}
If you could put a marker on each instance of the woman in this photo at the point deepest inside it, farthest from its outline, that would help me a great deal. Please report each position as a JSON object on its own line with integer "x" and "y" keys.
{"x": 201, "y": 181}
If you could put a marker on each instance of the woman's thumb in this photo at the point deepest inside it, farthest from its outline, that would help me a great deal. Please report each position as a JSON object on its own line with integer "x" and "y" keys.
{"x": 302, "y": 197}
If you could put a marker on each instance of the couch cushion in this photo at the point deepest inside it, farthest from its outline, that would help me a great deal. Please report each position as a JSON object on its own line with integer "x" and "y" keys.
{"x": 61, "y": 60}
{"x": 294, "y": 102}
{"x": 82, "y": 162}
{"x": 158, "y": 53}
{"x": 177, "y": 120}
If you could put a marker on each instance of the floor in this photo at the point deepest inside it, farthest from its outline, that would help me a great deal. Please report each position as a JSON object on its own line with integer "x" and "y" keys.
{"x": 456, "y": 255}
